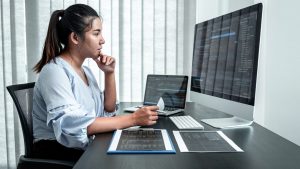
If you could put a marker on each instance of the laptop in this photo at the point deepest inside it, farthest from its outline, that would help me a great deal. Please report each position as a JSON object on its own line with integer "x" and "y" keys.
{"x": 171, "y": 89}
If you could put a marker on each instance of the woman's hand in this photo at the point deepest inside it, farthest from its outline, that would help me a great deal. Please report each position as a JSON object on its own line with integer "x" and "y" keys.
{"x": 106, "y": 63}
{"x": 145, "y": 116}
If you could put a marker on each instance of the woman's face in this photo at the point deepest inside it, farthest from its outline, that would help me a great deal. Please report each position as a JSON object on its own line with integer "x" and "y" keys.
{"x": 92, "y": 44}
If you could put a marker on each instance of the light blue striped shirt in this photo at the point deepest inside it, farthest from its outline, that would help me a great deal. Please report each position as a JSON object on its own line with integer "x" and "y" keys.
{"x": 63, "y": 105}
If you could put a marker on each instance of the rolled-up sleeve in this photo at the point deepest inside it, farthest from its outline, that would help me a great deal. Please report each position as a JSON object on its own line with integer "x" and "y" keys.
{"x": 70, "y": 124}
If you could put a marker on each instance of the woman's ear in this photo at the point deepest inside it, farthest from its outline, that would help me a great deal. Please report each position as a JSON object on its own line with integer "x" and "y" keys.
{"x": 74, "y": 38}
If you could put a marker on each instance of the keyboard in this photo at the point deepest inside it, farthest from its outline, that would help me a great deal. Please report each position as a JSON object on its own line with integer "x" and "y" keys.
{"x": 186, "y": 122}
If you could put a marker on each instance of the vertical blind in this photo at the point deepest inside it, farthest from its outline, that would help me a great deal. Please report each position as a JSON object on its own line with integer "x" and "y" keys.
{"x": 145, "y": 37}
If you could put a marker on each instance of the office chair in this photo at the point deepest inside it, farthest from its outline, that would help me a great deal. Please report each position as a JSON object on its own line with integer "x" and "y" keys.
{"x": 22, "y": 95}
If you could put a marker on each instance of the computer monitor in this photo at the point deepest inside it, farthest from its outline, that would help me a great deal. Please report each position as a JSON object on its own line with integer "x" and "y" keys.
{"x": 224, "y": 67}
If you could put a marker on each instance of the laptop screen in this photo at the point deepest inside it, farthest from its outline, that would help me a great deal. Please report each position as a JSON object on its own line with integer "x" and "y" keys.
{"x": 172, "y": 89}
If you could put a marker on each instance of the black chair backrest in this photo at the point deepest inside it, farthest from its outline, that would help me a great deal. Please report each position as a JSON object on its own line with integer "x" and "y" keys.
{"x": 22, "y": 95}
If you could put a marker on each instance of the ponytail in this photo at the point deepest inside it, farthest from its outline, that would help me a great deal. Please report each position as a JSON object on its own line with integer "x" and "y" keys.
{"x": 77, "y": 18}
{"x": 52, "y": 45}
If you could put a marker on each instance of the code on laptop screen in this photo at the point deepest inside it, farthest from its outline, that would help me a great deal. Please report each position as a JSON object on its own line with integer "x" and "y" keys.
{"x": 171, "y": 88}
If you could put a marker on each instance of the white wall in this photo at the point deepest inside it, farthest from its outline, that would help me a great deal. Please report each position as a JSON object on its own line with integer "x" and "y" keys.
{"x": 277, "y": 106}
{"x": 280, "y": 50}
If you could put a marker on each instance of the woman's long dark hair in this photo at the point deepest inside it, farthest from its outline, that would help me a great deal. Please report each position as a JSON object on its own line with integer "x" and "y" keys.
{"x": 77, "y": 18}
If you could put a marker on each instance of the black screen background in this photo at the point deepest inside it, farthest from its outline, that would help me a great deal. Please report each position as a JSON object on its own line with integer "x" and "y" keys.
{"x": 225, "y": 55}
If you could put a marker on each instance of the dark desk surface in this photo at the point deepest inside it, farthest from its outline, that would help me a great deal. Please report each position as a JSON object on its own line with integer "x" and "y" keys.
{"x": 263, "y": 150}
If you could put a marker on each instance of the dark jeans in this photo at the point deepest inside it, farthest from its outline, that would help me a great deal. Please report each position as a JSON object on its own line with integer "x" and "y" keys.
{"x": 51, "y": 149}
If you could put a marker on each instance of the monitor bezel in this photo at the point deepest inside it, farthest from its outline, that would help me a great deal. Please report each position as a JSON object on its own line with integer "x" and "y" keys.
{"x": 256, "y": 7}
{"x": 185, "y": 80}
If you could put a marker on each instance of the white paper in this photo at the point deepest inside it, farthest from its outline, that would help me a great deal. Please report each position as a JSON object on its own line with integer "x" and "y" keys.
{"x": 167, "y": 143}
{"x": 115, "y": 141}
{"x": 180, "y": 142}
{"x": 184, "y": 148}
{"x": 229, "y": 141}
{"x": 161, "y": 104}
{"x": 166, "y": 139}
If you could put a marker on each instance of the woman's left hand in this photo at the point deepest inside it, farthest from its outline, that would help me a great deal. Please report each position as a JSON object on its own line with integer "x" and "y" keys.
{"x": 106, "y": 63}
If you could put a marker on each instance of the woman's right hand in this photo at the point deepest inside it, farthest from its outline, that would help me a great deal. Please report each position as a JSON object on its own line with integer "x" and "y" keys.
{"x": 106, "y": 63}
{"x": 145, "y": 116}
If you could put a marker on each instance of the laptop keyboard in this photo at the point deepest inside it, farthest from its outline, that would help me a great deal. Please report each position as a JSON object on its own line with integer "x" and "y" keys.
{"x": 186, "y": 122}
{"x": 170, "y": 108}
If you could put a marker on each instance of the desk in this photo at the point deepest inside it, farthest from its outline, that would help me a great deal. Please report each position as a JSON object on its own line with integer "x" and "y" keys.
{"x": 263, "y": 149}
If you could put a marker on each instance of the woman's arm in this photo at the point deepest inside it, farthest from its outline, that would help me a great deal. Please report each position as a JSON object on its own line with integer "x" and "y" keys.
{"x": 107, "y": 65}
{"x": 143, "y": 117}
{"x": 110, "y": 92}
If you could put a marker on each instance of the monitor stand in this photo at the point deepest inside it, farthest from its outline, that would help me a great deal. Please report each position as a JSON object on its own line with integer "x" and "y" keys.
{"x": 230, "y": 122}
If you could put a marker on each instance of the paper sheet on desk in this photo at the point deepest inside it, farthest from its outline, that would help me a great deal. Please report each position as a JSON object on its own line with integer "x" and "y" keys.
{"x": 141, "y": 140}
{"x": 204, "y": 141}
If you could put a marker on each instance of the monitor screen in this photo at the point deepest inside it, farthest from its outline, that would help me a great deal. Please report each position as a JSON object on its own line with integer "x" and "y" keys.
{"x": 225, "y": 55}
{"x": 171, "y": 88}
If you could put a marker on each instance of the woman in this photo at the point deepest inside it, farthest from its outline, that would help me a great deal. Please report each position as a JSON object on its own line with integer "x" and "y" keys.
{"x": 68, "y": 106}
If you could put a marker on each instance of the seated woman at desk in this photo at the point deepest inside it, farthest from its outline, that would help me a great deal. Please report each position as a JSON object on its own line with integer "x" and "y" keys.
{"x": 68, "y": 106}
